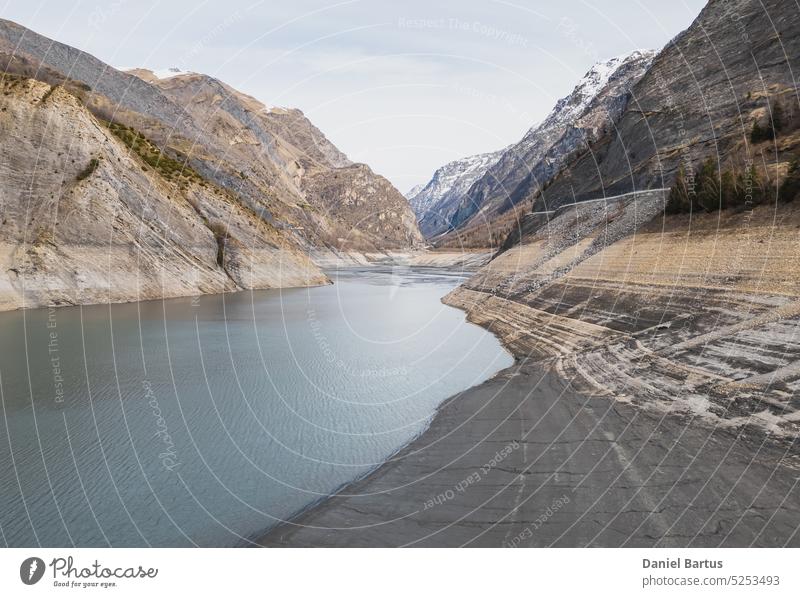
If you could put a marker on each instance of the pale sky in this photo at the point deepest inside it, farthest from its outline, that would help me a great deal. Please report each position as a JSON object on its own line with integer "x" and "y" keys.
{"x": 403, "y": 86}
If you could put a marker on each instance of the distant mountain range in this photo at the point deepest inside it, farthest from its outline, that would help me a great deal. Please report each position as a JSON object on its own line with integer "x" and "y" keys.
{"x": 477, "y": 189}
{"x": 435, "y": 202}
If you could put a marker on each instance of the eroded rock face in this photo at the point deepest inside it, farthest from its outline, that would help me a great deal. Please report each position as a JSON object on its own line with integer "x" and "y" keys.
{"x": 309, "y": 185}
{"x": 698, "y": 99}
{"x": 85, "y": 219}
{"x": 678, "y": 314}
{"x": 203, "y": 183}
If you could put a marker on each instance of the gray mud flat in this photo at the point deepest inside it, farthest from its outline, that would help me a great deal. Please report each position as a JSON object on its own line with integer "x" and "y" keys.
{"x": 523, "y": 460}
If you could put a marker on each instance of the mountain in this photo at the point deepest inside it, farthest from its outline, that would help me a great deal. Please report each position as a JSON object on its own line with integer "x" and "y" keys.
{"x": 335, "y": 202}
{"x": 701, "y": 97}
{"x": 435, "y": 202}
{"x": 592, "y": 109}
{"x": 414, "y": 191}
{"x": 131, "y": 185}
{"x": 674, "y": 311}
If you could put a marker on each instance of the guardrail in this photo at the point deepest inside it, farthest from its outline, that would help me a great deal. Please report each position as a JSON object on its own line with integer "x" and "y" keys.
{"x": 598, "y": 200}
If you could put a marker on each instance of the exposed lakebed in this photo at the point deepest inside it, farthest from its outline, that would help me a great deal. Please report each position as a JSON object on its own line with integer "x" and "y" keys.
{"x": 206, "y": 421}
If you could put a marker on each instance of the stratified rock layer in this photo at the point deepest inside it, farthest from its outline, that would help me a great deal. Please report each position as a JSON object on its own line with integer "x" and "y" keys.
{"x": 692, "y": 315}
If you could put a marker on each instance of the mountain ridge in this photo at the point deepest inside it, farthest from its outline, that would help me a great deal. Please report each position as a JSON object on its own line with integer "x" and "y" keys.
{"x": 694, "y": 108}
{"x": 576, "y": 119}
{"x": 263, "y": 189}
{"x": 434, "y": 202}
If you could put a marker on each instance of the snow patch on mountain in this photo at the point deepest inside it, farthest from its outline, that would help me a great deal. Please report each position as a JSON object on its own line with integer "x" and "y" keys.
{"x": 448, "y": 184}
{"x": 593, "y": 106}
{"x": 414, "y": 191}
{"x": 593, "y": 83}
{"x": 168, "y": 73}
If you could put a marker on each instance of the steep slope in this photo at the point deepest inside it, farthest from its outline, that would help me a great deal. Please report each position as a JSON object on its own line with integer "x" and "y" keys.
{"x": 700, "y": 98}
{"x": 578, "y": 119}
{"x": 639, "y": 307}
{"x": 435, "y": 202}
{"x": 177, "y": 112}
{"x": 91, "y": 213}
{"x": 267, "y": 186}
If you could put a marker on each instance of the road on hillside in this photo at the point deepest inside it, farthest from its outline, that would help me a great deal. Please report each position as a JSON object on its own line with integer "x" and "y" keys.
{"x": 523, "y": 460}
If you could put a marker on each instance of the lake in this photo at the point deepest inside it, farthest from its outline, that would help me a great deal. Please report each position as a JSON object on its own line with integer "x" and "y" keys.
{"x": 205, "y": 421}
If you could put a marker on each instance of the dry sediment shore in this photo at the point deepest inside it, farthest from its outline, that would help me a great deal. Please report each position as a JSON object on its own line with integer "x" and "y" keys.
{"x": 698, "y": 316}
{"x": 652, "y": 403}
{"x": 525, "y": 460}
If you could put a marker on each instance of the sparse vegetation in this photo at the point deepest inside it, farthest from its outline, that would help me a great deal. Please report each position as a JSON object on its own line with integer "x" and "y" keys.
{"x": 483, "y": 235}
{"x": 790, "y": 188}
{"x": 712, "y": 189}
{"x": 48, "y": 93}
{"x": 759, "y": 133}
{"x": 776, "y": 123}
{"x": 168, "y": 167}
{"x": 707, "y": 186}
{"x": 679, "y": 200}
{"x": 88, "y": 170}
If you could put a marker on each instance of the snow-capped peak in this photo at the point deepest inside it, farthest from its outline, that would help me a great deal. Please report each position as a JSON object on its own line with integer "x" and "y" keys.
{"x": 168, "y": 73}
{"x": 600, "y": 73}
{"x": 163, "y": 73}
{"x": 414, "y": 191}
{"x": 593, "y": 82}
{"x": 450, "y": 182}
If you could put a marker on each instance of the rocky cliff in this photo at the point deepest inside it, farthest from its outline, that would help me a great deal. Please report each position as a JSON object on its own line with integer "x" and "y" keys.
{"x": 207, "y": 189}
{"x": 327, "y": 200}
{"x": 93, "y": 213}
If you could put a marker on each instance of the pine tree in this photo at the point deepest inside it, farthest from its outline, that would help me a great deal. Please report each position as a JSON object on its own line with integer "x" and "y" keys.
{"x": 777, "y": 118}
{"x": 790, "y": 188}
{"x": 707, "y": 184}
{"x": 678, "y": 200}
{"x": 728, "y": 192}
{"x": 757, "y": 189}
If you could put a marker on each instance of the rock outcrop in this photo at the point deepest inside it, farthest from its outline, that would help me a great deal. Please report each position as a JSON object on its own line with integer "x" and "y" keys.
{"x": 696, "y": 317}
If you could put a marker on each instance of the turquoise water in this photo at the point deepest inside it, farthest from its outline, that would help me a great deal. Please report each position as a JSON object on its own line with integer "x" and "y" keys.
{"x": 206, "y": 421}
